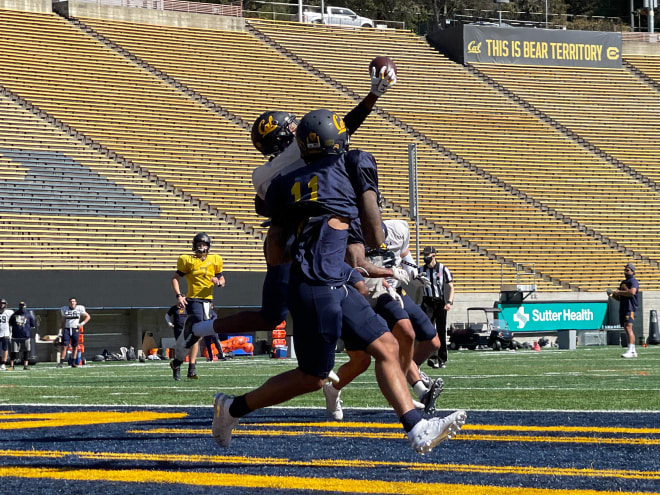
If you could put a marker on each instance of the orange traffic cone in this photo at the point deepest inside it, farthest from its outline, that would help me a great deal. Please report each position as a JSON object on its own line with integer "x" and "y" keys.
{"x": 536, "y": 346}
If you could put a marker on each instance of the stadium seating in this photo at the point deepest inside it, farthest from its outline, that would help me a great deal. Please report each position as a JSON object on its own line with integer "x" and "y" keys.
{"x": 66, "y": 206}
{"x": 130, "y": 111}
{"x": 458, "y": 111}
{"x": 214, "y": 64}
{"x": 205, "y": 155}
{"x": 649, "y": 65}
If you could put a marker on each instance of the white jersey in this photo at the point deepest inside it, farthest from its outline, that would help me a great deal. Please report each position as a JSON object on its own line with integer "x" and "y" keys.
{"x": 72, "y": 316}
{"x": 397, "y": 238}
{"x": 287, "y": 161}
{"x": 5, "y": 331}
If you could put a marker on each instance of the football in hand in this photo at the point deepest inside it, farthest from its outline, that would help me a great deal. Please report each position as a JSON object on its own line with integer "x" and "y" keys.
{"x": 379, "y": 62}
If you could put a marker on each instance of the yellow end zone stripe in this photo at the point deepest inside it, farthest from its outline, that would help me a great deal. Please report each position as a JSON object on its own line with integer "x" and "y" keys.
{"x": 383, "y": 435}
{"x": 470, "y": 426}
{"x": 53, "y": 420}
{"x": 279, "y": 482}
{"x": 336, "y": 463}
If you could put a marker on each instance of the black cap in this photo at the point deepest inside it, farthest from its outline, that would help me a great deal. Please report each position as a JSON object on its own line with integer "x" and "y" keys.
{"x": 428, "y": 250}
{"x": 21, "y": 304}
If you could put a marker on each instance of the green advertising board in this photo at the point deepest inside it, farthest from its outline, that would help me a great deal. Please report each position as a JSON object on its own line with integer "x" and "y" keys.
{"x": 553, "y": 316}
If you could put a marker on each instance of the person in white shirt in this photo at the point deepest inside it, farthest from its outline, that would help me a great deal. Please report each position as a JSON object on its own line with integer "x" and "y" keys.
{"x": 5, "y": 333}
{"x": 71, "y": 316}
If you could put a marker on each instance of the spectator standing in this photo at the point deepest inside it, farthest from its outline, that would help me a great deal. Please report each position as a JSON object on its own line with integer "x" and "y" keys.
{"x": 5, "y": 333}
{"x": 71, "y": 324}
{"x": 627, "y": 295}
{"x": 437, "y": 300}
{"x": 21, "y": 323}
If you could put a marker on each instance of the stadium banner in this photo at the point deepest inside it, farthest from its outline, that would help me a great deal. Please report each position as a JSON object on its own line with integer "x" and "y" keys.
{"x": 553, "y": 316}
{"x": 525, "y": 46}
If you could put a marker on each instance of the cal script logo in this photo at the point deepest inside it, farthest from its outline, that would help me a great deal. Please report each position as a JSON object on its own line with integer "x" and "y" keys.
{"x": 474, "y": 47}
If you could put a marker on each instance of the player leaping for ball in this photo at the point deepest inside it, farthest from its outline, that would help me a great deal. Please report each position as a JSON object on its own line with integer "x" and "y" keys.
{"x": 273, "y": 134}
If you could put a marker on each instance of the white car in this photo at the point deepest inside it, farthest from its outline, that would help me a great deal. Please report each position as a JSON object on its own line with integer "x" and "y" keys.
{"x": 337, "y": 16}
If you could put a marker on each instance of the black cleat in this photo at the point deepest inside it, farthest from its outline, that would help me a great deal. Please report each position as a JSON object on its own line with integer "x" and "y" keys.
{"x": 432, "y": 395}
{"x": 176, "y": 371}
{"x": 433, "y": 362}
{"x": 193, "y": 376}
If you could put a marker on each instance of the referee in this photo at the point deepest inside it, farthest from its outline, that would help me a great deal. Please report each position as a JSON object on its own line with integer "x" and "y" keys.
{"x": 438, "y": 299}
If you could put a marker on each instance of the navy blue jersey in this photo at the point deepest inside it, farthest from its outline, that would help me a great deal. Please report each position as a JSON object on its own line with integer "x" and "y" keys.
{"x": 178, "y": 317}
{"x": 354, "y": 276}
{"x": 21, "y": 322}
{"x": 304, "y": 200}
{"x": 629, "y": 304}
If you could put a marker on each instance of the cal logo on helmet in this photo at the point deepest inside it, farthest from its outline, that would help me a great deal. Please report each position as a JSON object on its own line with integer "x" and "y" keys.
{"x": 266, "y": 127}
{"x": 322, "y": 132}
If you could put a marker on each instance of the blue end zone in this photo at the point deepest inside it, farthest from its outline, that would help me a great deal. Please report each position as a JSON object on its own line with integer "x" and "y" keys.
{"x": 555, "y": 450}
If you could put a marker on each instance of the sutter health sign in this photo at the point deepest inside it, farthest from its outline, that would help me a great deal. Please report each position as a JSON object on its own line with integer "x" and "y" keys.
{"x": 534, "y": 317}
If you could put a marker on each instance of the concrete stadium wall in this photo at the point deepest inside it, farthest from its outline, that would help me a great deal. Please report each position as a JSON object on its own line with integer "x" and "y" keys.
{"x": 149, "y": 16}
{"x": 43, "y": 6}
{"x": 640, "y": 48}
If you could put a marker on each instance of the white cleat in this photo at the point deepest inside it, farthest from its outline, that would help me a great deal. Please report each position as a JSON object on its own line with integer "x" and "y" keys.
{"x": 629, "y": 354}
{"x": 332, "y": 376}
{"x": 430, "y": 432}
{"x": 333, "y": 402}
{"x": 223, "y": 422}
{"x": 426, "y": 380}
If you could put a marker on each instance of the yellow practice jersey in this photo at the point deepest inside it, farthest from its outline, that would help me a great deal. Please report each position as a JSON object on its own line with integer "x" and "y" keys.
{"x": 198, "y": 274}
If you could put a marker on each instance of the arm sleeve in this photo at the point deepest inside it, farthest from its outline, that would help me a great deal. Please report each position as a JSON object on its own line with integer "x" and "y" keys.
{"x": 356, "y": 117}
{"x": 412, "y": 271}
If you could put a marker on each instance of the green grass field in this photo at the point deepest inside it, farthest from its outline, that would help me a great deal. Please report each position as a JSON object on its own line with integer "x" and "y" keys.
{"x": 589, "y": 378}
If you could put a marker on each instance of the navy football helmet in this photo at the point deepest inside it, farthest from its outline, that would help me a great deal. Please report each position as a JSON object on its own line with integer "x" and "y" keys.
{"x": 273, "y": 131}
{"x": 320, "y": 133}
{"x": 200, "y": 238}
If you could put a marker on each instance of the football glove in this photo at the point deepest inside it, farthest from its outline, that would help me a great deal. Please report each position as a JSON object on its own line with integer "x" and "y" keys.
{"x": 395, "y": 295}
{"x": 401, "y": 275}
{"x": 424, "y": 280}
{"x": 382, "y": 81}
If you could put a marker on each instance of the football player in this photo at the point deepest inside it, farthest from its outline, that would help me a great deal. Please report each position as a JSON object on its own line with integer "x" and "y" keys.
{"x": 406, "y": 319}
{"x": 203, "y": 272}
{"x": 315, "y": 202}
{"x": 70, "y": 323}
{"x": 5, "y": 333}
{"x": 273, "y": 134}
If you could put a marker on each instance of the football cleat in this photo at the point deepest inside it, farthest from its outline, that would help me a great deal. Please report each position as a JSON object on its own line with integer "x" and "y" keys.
{"x": 426, "y": 380}
{"x": 430, "y": 432}
{"x": 418, "y": 405}
{"x": 192, "y": 376}
{"x": 333, "y": 402}
{"x": 429, "y": 398}
{"x": 629, "y": 354}
{"x": 433, "y": 362}
{"x": 223, "y": 422}
{"x": 176, "y": 371}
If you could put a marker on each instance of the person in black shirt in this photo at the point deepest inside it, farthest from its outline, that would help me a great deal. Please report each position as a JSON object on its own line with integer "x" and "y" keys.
{"x": 627, "y": 295}
{"x": 21, "y": 323}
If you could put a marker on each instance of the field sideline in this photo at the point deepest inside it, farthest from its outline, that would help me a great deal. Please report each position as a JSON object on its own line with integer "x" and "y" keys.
{"x": 550, "y": 422}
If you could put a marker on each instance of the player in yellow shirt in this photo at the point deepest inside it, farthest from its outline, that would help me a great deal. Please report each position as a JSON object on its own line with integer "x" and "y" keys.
{"x": 203, "y": 272}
